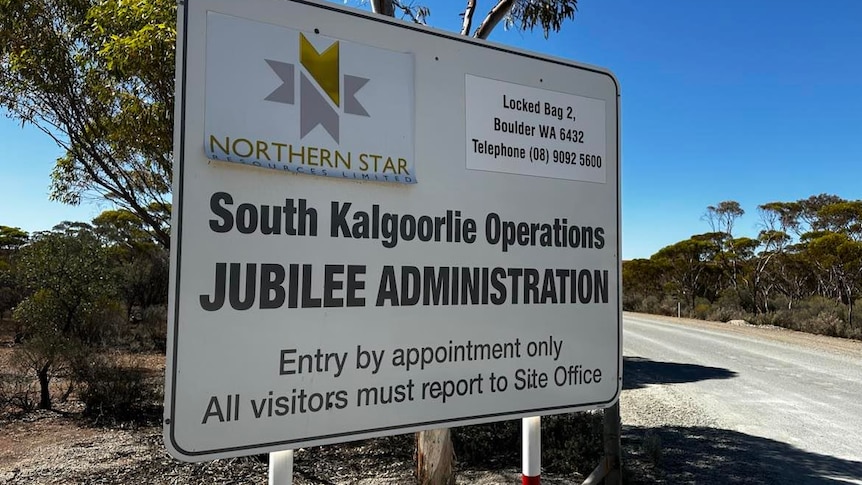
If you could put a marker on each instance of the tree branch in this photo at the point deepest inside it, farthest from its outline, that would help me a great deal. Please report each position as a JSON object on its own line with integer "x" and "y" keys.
{"x": 494, "y": 17}
{"x": 383, "y": 7}
{"x": 468, "y": 17}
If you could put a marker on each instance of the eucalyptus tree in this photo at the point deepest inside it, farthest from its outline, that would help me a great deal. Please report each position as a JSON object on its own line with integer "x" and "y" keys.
{"x": 12, "y": 239}
{"x": 67, "y": 273}
{"x": 97, "y": 77}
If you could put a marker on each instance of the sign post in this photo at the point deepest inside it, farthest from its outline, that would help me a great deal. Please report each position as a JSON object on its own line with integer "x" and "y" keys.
{"x": 380, "y": 228}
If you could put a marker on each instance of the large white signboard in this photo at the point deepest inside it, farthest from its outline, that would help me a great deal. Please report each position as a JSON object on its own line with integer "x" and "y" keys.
{"x": 381, "y": 228}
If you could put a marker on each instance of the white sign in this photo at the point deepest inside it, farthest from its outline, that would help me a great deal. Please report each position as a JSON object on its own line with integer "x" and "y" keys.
{"x": 318, "y": 302}
{"x": 520, "y": 129}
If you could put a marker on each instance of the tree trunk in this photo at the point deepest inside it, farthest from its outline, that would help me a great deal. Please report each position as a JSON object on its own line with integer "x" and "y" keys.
{"x": 613, "y": 450}
{"x": 435, "y": 457}
{"x": 45, "y": 393}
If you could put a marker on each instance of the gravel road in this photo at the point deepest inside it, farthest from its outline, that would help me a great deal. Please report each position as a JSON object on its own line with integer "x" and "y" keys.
{"x": 718, "y": 403}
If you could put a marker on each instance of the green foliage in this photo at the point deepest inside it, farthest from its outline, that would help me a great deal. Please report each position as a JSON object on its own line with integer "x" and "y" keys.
{"x": 91, "y": 288}
{"x": 547, "y": 14}
{"x": 72, "y": 272}
{"x": 12, "y": 239}
{"x": 141, "y": 265}
{"x": 116, "y": 389}
{"x": 46, "y": 350}
{"x": 487, "y": 444}
{"x": 98, "y": 78}
{"x": 570, "y": 442}
{"x": 804, "y": 270}
{"x": 68, "y": 273}
{"x": 11, "y": 289}
{"x": 702, "y": 308}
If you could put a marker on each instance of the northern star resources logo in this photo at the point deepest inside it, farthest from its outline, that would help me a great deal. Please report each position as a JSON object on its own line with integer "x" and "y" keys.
{"x": 323, "y": 80}
{"x": 307, "y": 103}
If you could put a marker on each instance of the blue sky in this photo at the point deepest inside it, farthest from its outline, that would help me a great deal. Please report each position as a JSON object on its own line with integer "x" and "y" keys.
{"x": 753, "y": 101}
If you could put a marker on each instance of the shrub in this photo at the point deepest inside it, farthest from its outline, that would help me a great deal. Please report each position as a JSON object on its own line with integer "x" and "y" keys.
{"x": 650, "y": 304}
{"x": 488, "y": 444}
{"x": 116, "y": 389}
{"x": 669, "y": 305}
{"x": 17, "y": 391}
{"x": 631, "y": 301}
{"x": 725, "y": 314}
{"x": 779, "y": 318}
{"x": 702, "y": 307}
{"x": 817, "y": 314}
{"x": 152, "y": 331}
{"x": 824, "y": 323}
{"x": 570, "y": 442}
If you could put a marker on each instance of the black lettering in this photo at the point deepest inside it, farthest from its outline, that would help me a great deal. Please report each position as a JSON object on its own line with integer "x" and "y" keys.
{"x": 388, "y": 290}
{"x": 330, "y": 285}
{"x": 236, "y": 302}
{"x": 339, "y": 220}
{"x": 271, "y": 281}
{"x": 217, "y": 300}
{"x": 354, "y": 284}
{"x": 307, "y": 300}
{"x": 226, "y": 216}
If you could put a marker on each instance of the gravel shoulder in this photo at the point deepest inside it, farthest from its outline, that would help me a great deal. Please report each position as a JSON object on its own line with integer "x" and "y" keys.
{"x": 710, "y": 402}
{"x": 838, "y": 346}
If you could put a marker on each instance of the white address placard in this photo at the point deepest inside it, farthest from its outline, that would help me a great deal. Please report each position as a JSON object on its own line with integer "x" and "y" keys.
{"x": 529, "y": 131}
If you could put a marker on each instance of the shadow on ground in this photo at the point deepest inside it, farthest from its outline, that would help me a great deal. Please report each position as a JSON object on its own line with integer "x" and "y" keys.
{"x": 700, "y": 455}
{"x": 639, "y": 372}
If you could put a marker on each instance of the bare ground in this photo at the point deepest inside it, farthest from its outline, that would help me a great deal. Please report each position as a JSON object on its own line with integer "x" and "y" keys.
{"x": 50, "y": 447}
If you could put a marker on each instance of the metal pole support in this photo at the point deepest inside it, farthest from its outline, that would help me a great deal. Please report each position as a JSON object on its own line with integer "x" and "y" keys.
{"x": 531, "y": 449}
{"x": 281, "y": 467}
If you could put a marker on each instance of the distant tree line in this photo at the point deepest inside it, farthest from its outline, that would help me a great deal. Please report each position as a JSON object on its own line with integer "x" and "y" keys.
{"x": 802, "y": 271}
{"x": 72, "y": 295}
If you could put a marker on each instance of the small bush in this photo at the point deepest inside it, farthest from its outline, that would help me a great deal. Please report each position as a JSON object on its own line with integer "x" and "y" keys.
{"x": 650, "y": 304}
{"x": 488, "y": 444}
{"x": 669, "y": 306}
{"x": 116, "y": 389}
{"x": 17, "y": 391}
{"x": 779, "y": 318}
{"x": 817, "y": 315}
{"x": 701, "y": 309}
{"x": 730, "y": 305}
{"x": 725, "y": 314}
{"x": 825, "y": 323}
{"x": 153, "y": 328}
{"x": 631, "y": 302}
{"x": 570, "y": 442}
